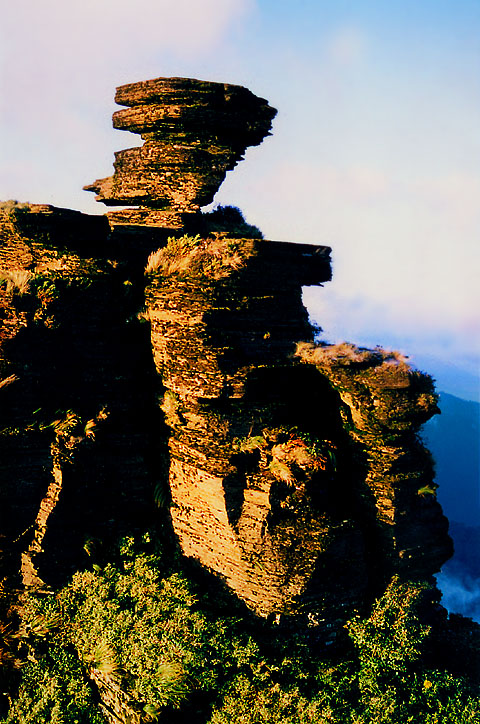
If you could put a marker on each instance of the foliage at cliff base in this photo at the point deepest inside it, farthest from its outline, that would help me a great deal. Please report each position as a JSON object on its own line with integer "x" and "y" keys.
{"x": 140, "y": 623}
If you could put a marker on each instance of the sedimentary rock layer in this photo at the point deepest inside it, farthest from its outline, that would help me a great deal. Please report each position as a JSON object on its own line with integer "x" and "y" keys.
{"x": 248, "y": 470}
{"x": 194, "y": 132}
{"x": 303, "y": 485}
{"x": 294, "y": 472}
{"x": 384, "y": 401}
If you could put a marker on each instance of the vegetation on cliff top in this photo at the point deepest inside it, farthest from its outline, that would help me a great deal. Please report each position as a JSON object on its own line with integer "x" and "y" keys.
{"x": 192, "y": 256}
{"x": 346, "y": 354}
{"x": 230, "y": 220}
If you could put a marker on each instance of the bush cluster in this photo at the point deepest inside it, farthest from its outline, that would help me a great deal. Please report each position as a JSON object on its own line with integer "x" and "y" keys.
{"x": 168, "y": 643}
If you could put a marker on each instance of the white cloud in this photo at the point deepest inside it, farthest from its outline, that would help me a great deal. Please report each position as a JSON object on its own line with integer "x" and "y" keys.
{"x": 454, "y": 195}
{"x": 54, "y": 50}
{"x": 66, "y": 28}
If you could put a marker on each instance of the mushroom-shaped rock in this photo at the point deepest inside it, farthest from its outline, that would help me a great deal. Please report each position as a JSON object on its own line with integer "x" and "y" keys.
{"x": 194, "y": 132}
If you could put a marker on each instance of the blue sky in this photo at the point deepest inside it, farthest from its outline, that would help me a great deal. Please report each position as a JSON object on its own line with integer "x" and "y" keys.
{"x": 375, "y": 149}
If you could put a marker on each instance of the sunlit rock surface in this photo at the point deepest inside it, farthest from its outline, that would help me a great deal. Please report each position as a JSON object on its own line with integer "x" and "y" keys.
{"x": 194, "y": 132}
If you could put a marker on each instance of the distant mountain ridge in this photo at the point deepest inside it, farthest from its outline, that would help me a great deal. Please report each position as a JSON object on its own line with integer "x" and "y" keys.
{"x": 454, "y": 440}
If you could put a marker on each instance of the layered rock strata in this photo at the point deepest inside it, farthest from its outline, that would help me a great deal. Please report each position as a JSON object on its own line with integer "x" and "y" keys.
{"x": 294, "y": 472}
{"x": 194, "y": 132}
{"x": 301, "y": 483}
{"x": 245, "y": 476}
{"x": 383, "y": 401}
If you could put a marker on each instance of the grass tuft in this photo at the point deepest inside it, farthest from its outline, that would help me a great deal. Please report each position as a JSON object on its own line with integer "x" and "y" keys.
{"x": 347, "y": 354}
{"x": 191, "y": 256}
{"x": 16, "y": 280}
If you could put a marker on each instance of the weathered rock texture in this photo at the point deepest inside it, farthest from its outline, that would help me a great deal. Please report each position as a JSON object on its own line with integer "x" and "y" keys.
{"x": 224, "y": 325}
{"x": 383, "y": 403}
{"x": 303, "y": 485}
{"x": 194, "y": 132}
{"x": 116, "y": 702}
{"x": 295, "y": 472}
{"x": 77, "y": 391}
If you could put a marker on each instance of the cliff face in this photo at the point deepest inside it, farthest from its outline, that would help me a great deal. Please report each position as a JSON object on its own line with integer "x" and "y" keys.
{"x": 295, "y": 473}
{"x": 299, "y": 478}
{"x": 245, "y": 476}
{"x": 77, "y": 393}
{"x": 383, "y": 402}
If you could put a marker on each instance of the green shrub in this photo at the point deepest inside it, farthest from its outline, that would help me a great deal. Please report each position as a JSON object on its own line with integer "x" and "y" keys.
{"x": 54, "y": 691}
{"x": 230, "y": 220}
{"x": 394, "y": 685}
{"x": 142, "y": 623}
{"x": 145, "y": 628}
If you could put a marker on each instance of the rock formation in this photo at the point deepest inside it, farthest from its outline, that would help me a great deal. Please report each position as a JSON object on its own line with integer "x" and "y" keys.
{"x": 223, "y": 338}
{"x": 299, "y": 479}
{"x": 383, "y": 402}
{"x": 295, "y": 474}
{"x": 74, "y": 404}
{"x": 194, "y": 133}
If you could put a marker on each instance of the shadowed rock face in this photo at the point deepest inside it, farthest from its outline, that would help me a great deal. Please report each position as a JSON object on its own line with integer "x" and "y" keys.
{"x": 383, "y": 403}
{"x": 77, "y": 394}
{"x": 194, "y": 132}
